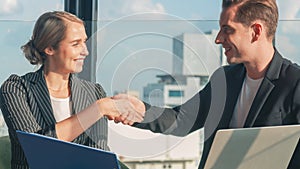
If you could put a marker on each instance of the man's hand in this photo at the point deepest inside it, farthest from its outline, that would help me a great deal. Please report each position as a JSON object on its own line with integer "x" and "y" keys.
{"x": 131, "y": 109}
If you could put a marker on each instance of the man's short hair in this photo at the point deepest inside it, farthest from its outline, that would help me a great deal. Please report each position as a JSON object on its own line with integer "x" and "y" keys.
{"x": 251, "y": 10}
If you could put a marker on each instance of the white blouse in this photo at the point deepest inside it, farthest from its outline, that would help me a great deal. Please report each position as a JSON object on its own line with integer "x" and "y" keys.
{"x": 61, "y": 108}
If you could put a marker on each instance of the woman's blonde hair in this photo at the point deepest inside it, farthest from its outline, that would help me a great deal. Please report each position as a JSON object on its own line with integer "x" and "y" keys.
{"x": 49, "y": 31}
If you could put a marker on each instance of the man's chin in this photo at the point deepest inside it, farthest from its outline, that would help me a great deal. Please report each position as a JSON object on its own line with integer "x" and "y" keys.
{"x": 232, "y": 61}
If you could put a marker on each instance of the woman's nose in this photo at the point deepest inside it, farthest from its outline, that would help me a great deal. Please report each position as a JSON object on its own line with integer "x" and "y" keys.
{"x": 85, "y": 50}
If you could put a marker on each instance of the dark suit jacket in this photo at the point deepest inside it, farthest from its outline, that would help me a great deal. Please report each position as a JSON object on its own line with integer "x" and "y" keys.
{"x": 26, "y": 106}
{"x": 277, "y": 102}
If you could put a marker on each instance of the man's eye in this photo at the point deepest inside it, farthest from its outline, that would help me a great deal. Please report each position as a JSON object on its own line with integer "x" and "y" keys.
{"x": 227, "y": 30}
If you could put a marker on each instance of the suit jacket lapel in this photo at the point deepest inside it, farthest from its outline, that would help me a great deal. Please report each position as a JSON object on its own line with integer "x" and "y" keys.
{"x": 265, "y": 89}
{"x": 41, "y": 93}
{"x": 234, "y": 82}
{"x": 79, "y": 95}
{"x": 258, "y": 102}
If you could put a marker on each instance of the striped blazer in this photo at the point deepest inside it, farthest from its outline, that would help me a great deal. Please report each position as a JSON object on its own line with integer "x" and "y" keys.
{"x": 25, "y": 104}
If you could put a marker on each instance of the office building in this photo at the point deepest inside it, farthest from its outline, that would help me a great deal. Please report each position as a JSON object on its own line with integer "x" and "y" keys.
{"x": 195, "y": 58}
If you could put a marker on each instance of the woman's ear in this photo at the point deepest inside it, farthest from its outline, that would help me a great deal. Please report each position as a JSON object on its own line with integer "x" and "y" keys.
{"x": 49, "y": 51}
{"x": 256, "y": 31}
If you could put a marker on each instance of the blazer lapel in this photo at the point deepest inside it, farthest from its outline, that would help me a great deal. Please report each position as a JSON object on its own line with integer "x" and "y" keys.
{"x": 258, "y": 102}
{"x": 265, "y": 89}
{"x": 41, "y": 93}
{"x": 79, "y": 95}
{"x": 234, "y": 82}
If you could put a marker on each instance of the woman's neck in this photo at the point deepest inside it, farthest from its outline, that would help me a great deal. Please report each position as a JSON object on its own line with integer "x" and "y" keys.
{"x": 57, "y": 84}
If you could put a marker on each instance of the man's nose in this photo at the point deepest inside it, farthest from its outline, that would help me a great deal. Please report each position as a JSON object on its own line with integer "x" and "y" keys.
{"x": 219, "y": 39}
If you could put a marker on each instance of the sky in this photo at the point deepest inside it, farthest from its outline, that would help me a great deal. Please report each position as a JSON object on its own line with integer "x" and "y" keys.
{"x": 194, "y": 13}
{"x": 17, "y": 18}
{"x": 135, "y": 37}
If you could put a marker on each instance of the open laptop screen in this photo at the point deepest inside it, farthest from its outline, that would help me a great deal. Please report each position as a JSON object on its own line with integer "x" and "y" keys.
{"x": 261, "y": 147}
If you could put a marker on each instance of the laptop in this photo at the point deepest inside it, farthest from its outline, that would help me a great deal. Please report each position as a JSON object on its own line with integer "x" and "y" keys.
{"x": 44, "y": 152}
{"x": 261, "y": 147}
{"x": 295, "y": 160}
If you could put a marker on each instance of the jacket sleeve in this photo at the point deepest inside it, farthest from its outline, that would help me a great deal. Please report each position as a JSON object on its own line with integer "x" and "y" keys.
{"x": 204, "y": 109}
{"x": 180, "y": 120}
{"x": 16, "y": 108}
{"x": 98, "y": 132}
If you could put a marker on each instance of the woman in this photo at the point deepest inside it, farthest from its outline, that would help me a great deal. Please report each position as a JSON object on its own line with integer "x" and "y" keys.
{"x": 53, "y": 101}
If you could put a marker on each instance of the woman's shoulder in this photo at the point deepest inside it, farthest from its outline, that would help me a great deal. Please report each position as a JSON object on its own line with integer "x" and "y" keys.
{"x": 89, "y": 86}
{"x": 12, "y": 82}
{"x": 84, "y": 82}
{"x": 18, "y": 81}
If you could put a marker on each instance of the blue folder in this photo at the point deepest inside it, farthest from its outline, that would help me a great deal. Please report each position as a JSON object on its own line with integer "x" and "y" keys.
{"x": 44, "y": 152}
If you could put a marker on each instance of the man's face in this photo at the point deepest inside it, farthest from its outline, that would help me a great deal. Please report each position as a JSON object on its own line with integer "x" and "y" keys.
{"x": 234, "y": 37}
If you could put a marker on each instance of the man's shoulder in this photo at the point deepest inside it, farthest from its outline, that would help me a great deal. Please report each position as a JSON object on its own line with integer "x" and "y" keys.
{"x": 290, "y": 66}
{"x": 284, "y": 70}
{"x": 286, "y": 65}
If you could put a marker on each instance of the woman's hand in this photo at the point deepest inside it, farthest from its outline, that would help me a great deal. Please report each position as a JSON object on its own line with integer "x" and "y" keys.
{"x": 122, "y": 108}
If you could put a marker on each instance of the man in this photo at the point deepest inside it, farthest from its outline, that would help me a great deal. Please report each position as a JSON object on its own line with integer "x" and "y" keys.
{"x": 258, "y": 88}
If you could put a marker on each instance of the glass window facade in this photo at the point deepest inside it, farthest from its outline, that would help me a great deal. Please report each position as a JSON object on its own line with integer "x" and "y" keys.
{"x": 176, "y": 93}
{"x": 135, "y": 45}
{"x": 17, "y": 18}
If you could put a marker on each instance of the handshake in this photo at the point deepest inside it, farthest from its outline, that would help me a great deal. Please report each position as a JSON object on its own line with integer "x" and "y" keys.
{"x": 122, "y": 108}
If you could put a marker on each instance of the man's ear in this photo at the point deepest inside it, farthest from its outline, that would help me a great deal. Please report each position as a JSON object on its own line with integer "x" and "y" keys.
{"x": 49, "y": 51}
{"x": 256, "y": 31}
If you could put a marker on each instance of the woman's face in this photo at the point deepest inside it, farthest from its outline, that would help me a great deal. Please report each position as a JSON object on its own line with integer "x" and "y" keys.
{"x": 71, "y": 52}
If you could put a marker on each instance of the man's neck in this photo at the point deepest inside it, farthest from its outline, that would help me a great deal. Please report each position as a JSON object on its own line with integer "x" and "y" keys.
{"x": 259, "y": 66}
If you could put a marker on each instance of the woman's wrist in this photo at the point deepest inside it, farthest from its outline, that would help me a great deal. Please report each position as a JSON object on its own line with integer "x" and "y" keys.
{"x": 103, "y": 106}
